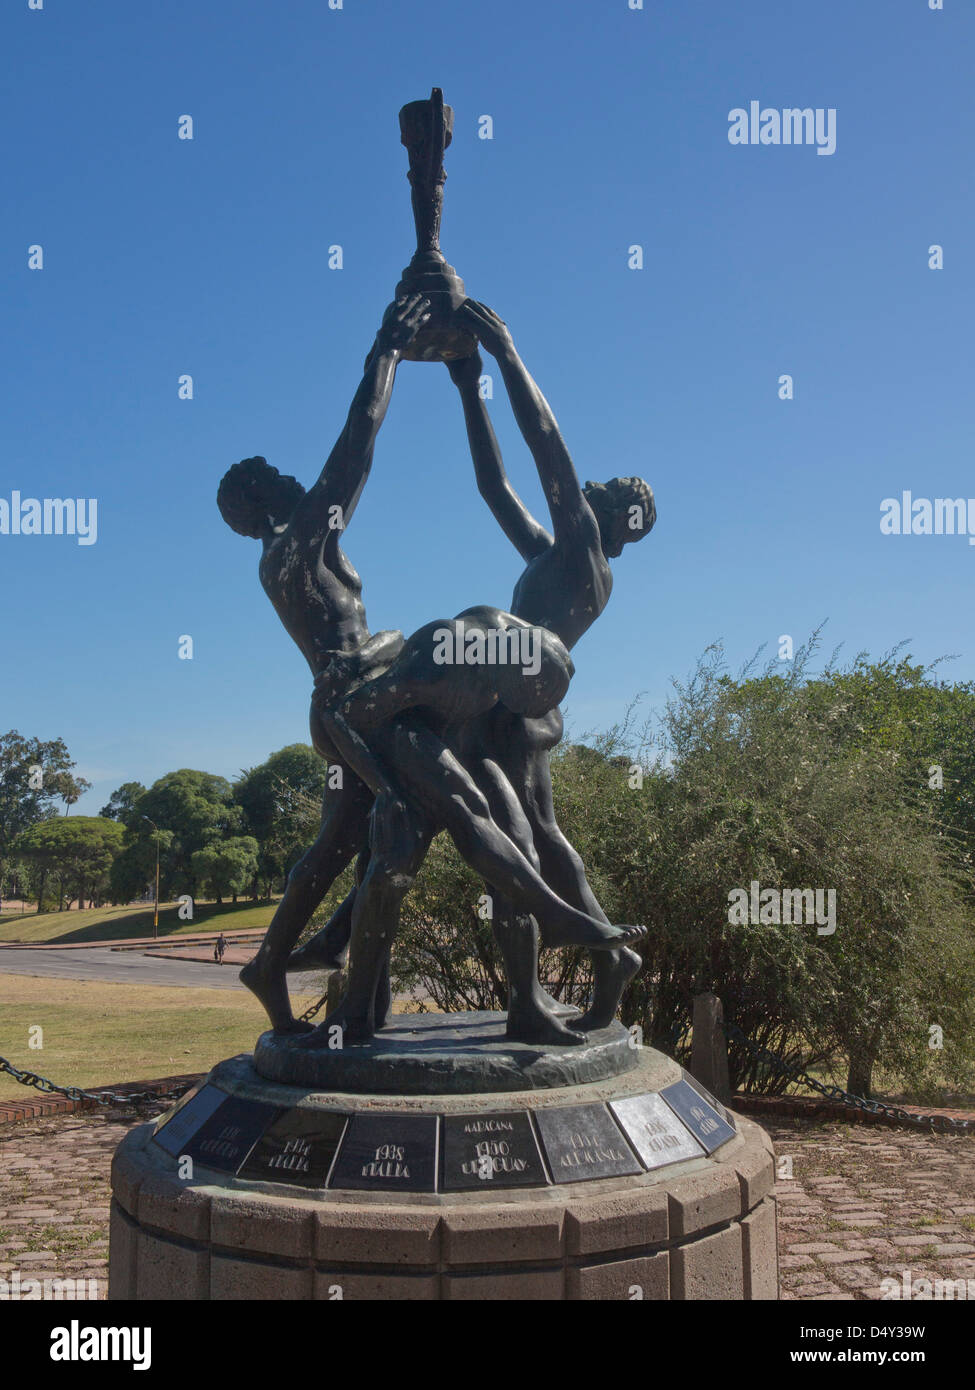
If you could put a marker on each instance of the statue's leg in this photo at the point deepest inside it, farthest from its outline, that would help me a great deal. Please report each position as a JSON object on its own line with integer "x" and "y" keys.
{"x": 345, "y": 818}
{"x": 326, "y": 950}
{"x": 531, "y": 1011}
{"x": 432, "y": 777}
{"x": 532, "y": 1015}
{"x": 384, "y": 994}
{"x": 405, "y": 839}
{"x": 563, "y": 868}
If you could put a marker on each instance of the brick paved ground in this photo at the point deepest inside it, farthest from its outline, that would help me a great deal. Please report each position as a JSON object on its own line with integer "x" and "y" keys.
{"x": 863, "y": 1204}
{"x": 54, "y": 1196}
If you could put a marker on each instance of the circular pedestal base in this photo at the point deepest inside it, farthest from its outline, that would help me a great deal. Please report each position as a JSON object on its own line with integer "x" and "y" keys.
{"x": 255, "y": 1190}
{"x": 444, "y": 1054}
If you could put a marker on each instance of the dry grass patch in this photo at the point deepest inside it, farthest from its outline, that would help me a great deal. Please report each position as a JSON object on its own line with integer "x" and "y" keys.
{"x": 97, "y": 1033}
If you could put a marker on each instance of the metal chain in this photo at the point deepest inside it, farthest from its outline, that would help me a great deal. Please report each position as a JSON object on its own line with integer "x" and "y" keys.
{"x": 135, "y": 1099}
{"x": 309, "y": 1014}
{"x": 942, "y": 1124}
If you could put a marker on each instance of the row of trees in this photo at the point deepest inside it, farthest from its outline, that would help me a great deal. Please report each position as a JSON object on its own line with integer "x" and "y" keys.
{"x": 214, "y": 838}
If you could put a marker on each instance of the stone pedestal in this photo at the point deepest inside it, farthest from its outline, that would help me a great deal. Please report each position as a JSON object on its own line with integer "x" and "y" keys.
{"x": 635, "y": 1186}
{"x": 445, "y": 1054}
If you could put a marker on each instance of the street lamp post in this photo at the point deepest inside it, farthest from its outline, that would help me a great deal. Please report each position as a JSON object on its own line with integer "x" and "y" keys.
{"x": 155, "y": 909}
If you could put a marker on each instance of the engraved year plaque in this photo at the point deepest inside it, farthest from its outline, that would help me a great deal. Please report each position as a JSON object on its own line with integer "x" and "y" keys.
{"x": 701, "y": 1119}
{"x": 714, "y": 1103}
{"x": 230, "y": 1133}
{"x": 176, "y": 1128}
{"x": 395, "y": 1153}
{"x": 488, "y": 1151}
{"x": 656, "y": 1133}
{"x": 297, "y": 1148}
{"x": 584, "y": 1142}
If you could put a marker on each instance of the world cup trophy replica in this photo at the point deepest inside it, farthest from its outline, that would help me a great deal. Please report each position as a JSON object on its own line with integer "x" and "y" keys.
{"x": 426, "y": 128}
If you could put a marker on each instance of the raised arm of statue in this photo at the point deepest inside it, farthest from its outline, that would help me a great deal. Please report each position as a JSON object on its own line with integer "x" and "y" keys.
{"x": 527, "y": 535}
{"x": 566, "y": 503}
{"x": 329, "y": 504}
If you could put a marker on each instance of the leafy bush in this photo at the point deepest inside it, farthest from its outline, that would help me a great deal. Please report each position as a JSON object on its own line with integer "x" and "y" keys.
{"x": 792, "y": 781}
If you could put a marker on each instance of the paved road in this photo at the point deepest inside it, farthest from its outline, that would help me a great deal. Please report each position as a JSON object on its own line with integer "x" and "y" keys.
{"x": 126, "y": 967}
{"x": 134, "y": 968}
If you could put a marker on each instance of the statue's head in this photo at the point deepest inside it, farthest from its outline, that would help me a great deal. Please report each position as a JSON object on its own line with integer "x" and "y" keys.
{"x": 254, "y": 498}
{"x": 624, "y": 509}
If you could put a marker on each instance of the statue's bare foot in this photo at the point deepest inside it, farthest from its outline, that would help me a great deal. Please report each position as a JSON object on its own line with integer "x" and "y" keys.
{"x": 555, "y": 1006}
{"x": 612, "y": 974}
{"x": 272, "y": 991}
{"x": 297, "y": 1025}
{"x": 319, "y": 953}
{"x": 356, "y": 1028}
{"x": 534, "y": 1024}
{"x": 593, "y": 935}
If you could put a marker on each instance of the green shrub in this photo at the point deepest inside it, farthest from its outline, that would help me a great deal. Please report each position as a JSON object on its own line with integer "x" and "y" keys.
{"x": 777, "y": 778}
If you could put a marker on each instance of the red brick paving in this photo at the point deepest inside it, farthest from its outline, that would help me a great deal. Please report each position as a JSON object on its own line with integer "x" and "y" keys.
{"x": 864, "y": 1204}
{"x": 33, "y": 1104}
{"x": 54, "y": 1197}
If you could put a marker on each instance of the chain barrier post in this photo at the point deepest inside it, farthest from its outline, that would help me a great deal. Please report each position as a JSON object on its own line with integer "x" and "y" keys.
{"x": 941, "y": 1124}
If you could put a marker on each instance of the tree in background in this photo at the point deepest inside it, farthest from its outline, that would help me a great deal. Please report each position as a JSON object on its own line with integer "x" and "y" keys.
{"x": 133, "y": 871}
{"x": 34, "y": 776}
{"x": 226, "y": 866}
{"x": 77, "y": 852}
{"x": 122, "y": 803}
{"x": 134, "y": 868}
{"x": 924, "y": 726}
{"x": 760, "y": 780}
{"x": 190, "y": 809}
{"x": 278, "y": 802}
{"x": 275, "y": 798}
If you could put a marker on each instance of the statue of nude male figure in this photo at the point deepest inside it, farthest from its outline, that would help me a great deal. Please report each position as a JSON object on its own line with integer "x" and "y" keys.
{"x": 417, "y": 784}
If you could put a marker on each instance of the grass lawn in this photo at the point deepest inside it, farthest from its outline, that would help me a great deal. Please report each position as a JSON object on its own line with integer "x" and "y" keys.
{"x": 115, "y": 923}
{"x": 99, "y": 1034}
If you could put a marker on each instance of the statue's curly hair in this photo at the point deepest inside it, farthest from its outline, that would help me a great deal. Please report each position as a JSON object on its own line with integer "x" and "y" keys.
{"x": 623, "y": 492}
{"x": 253, "y": 490}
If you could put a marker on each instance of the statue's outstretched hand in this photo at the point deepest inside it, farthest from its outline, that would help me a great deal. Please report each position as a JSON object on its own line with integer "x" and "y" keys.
{"x": 402, "y": 321}
{"x": 491, "y": 330}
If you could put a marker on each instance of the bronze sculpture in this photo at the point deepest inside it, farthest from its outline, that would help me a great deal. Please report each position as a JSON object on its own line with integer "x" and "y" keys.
{"x": 428, "y": 743}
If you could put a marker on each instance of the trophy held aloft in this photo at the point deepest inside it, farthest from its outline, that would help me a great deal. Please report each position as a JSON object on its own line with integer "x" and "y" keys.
{"x": 425, "y": 130}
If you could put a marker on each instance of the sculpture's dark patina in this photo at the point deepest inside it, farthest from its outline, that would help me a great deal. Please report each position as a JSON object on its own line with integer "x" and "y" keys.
{"x": 427, "y": 743}
{"x": 425, "y": 129}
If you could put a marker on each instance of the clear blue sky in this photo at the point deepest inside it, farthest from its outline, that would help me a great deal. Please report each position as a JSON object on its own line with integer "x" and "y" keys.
{"x": 208, "y": 257}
